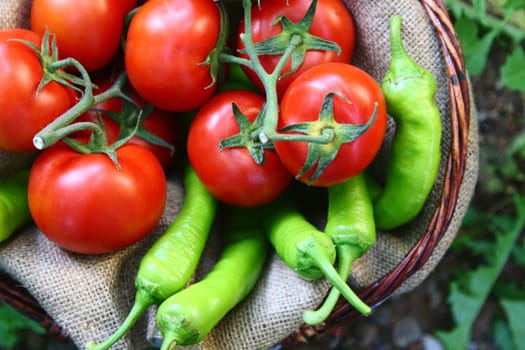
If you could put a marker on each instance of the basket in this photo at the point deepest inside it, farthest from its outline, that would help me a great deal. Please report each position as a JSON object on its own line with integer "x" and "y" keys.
{"x": 458, "y": 172}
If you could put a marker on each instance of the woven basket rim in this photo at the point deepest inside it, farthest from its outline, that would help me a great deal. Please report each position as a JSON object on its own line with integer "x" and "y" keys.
{"x": 459, "y": 93}
{"x": 418, "y": 255}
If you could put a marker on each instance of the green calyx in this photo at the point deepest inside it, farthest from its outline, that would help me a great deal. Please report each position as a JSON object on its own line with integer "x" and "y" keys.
{"x": 318, "y": 247}
{"x": 178, "y": 330}
{"x": 131, "y": 122}
{"x": 98, "y": 142}
{"x": 214, "y": 57}
{"x": 299, "y": 35}
{"x": 53, "y": 68}
{"x": 244, "y": 137}
{"x": 320, "y": 154}
{"x": 404, "y": 74}
{"x": 355, "y": 240}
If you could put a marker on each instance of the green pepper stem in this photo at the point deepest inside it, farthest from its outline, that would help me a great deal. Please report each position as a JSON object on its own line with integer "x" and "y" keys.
{"x": 402, "y": 64}
{"x": 346, "y": 255}
{"x": 142, "y": 302}
{"x": 337, "y": 282}
{"x": 169, "y": 342}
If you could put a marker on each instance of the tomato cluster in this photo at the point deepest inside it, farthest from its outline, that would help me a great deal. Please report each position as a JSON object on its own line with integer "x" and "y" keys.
{"x": 105, "y": 91}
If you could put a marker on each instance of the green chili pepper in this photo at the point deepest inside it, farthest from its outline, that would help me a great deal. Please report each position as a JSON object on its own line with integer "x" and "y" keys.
{"x": 189, "y": 315}
{"x": 14, "y": 209}
{"x": 409, "y": 91}
{"x": 304, "y": 248}
{"x": 171, "y": 261}
{"x": 350, "y": 224}
{"x": 373, "y": 186}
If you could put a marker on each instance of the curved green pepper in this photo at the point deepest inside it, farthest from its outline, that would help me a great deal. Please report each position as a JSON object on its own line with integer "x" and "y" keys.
{"x": 189, "y": 315}
{"x": 415, "y": 154}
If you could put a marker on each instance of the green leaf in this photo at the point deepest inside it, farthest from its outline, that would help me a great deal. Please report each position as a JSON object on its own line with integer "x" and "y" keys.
{"x": 476, "y": 60}
{"x": 467, "y": 31}
{"x": 468, "y": 296}
{"x": 475, "y": 48}
{"x": 514, "y": 4}
{"x": 501, "y": 335}
{"x": 518, "y": 254}
{"x": 458, "y": 338}
{"x": 512, "y": 72}
{"x": 509, "y": 290}
{"x": 11, "y": 322}
{"x": 517, "y": 146}
{"x": 515, "y": 312}
{"x": 480, "y": 8}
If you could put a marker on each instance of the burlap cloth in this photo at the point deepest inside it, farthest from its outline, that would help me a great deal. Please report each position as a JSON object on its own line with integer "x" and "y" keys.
{"x": 90, "y": 296}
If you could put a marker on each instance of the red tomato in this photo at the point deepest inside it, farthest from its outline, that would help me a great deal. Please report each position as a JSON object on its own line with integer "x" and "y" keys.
{"x": 87, "y": 30}
{"x": 302, "y": 103}
{"x": 231, "y": 175}
{"x": 158, "y": 122}
{"x": 84, "y": 204}
{"x": 167, "y": 42}
{"x": 23, "y": 112}
{"x": 332, "y": 21}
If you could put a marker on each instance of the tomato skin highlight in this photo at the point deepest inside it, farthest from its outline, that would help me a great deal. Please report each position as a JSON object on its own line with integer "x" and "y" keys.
{"x": 87, "y": 30}
{"x": 231, "y": 175}
{"x": 302, "y": 102}
{"x": 167, "y": 42}
{"x": 332, "y": 21}
{"x": 84, "y": 204}
{"x": 23, "y": 112}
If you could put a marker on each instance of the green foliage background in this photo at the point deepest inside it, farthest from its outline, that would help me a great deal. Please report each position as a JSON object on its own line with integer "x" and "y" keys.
{"x": 482, "y": 24}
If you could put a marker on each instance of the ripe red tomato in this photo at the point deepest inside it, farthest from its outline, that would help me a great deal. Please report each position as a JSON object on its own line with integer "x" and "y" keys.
{"x": 332, "y": 21}
{"x": 302, "y": 103}
{"x": 167, "y": 42}
{"x": 87, "y": 30}
{"x": 23, "y": 112}
{"x": 84, "y": 204}
{"x": 158, "y": 122}
{"x": 231, "y": 175}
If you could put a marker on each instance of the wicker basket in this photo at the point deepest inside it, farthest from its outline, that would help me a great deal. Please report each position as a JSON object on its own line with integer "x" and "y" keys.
{"x": 461, "y": 105}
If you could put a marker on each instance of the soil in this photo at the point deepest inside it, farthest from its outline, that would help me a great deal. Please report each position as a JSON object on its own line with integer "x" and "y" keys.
{"x": 411, "y": 320}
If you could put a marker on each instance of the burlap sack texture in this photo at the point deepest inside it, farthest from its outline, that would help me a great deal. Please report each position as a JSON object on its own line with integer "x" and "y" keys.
{"x": 90, "y": 296}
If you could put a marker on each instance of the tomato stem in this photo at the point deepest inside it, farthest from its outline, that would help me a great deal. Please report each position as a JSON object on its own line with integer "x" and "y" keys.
{"x": 59, "y": 128}
{"x": 291, "y": 44}
{"x": 85, "y": 81}
{"x": 267, "y": 133}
